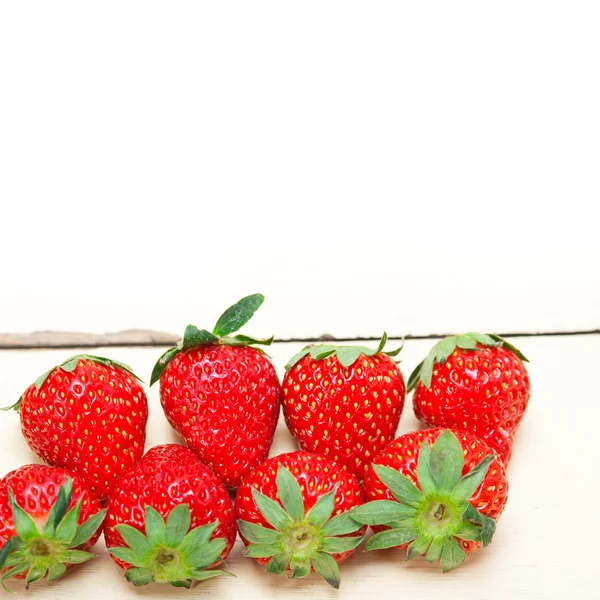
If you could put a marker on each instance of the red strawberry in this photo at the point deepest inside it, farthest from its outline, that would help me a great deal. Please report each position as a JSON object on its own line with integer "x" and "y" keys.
{"x": 292, "y": 513}
{"x": 221, "y": 395}
{"x": 343, "y": 402}
{"x": 169, "y": 519}
{"x": 437, "y": 493}
{"x": 48, "y": 521}
{"x": 87, "y": 415}
{"x": 475, "y": 382}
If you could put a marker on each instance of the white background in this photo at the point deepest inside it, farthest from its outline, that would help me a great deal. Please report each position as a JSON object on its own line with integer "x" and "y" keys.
{"x": 418, "y": 167}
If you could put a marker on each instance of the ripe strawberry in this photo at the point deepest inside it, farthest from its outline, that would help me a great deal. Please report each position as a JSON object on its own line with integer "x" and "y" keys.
{"x": 48, "y": 521}
{"x": 292, "y": 513}
{"x": 436, "y": 493}
{"x": 343, "y": 402}
{"x": 87, "y": 415}
{"x": 475, "y": 382}
{"x": 169, "y": 484}
{"x": 221, "y": 395}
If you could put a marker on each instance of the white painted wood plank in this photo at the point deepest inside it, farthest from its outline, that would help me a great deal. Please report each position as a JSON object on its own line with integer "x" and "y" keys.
{"x": 545, "y": 543}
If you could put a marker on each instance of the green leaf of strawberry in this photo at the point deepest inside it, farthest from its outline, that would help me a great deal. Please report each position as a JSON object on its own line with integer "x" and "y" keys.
{"x": 300, "y": 539}
{"x": 197, "y": 337}
{"x": 229, "y": 322}
{"x": 238, "y": 315}
{"x": 5, "y": 552}
{"x": 48, "y": 552}
{"x": 509, "y": 346}
{"x": 59, "y": 508}
{"x": 170, "y": 552}
{"x": 435, "y": 517}
{"x": 346, "y": 355}
{"x": 441, "y": 351}
{"x": 69, "y": 366}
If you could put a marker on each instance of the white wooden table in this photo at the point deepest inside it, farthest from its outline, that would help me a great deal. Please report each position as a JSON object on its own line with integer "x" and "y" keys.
{"x": 545, "y": 542}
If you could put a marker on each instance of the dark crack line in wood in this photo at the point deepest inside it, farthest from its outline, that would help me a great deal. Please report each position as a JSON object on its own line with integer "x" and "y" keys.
{"x": 293, "y": 340}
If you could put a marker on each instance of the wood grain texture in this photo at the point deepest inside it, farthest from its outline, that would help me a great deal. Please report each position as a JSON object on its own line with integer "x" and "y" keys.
{"x": 61, "y": 339}
{"x": 544, "y": 545}
{"x": 48, "y": 340}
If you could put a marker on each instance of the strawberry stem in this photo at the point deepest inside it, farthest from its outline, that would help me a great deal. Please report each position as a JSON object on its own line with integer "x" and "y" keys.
{"x": 439, "y": 513}
{"x": 299, "y": 539}
{"x": 346, "y": 355}
{"x": 229, "y": 322}
{"x": 441, "y": 351}
{"x": 435, "y": 516}
{"x": 46, "y": 553}
{"x": 170, "y": 552}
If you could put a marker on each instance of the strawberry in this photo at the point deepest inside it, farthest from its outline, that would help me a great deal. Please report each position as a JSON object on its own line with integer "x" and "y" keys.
{"x": 89, "y": 416}
{"x": 475, "y": 382}
{"x": 221, "y": 395}
{"x": 436, "y": 493}
{"x": 343, "y": 402}
{"x": 292, "y": 513}
{"x": 49, "y": 520}
{"x": 169, "y": 519}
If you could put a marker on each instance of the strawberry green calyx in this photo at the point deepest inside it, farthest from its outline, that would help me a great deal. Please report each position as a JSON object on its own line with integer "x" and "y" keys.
{"x": 169, "y": 553}
{"x": 4, "y": 553}
{"x": 69, "y": 366}
{"x": 229, "y": 322}
{"x": 346, "y": 355}
{"x": 48, "y": 552}
{"x": 434, "y": 519}
{"x": 440, "y": 353}
{"x": 300, "y": 539}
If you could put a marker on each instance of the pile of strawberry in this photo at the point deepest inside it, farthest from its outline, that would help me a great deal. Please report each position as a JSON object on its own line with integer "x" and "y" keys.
{"x": 168, "y": 515}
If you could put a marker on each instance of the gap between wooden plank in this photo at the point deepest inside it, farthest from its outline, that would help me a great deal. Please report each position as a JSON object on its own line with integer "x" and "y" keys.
{"x": 50, "y": 340}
